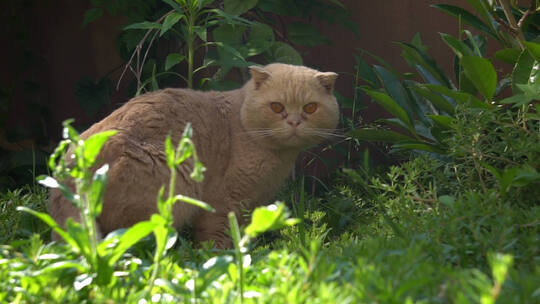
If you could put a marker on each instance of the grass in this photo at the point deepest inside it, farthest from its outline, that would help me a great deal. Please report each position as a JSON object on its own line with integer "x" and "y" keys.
{"x": 427, "y": 231}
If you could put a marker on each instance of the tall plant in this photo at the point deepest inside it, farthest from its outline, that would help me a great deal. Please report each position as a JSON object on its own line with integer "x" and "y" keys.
{"x": 423, "y": 111}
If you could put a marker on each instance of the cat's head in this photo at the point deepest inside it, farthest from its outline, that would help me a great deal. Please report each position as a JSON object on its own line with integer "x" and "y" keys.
{"x": 289, "y": 106}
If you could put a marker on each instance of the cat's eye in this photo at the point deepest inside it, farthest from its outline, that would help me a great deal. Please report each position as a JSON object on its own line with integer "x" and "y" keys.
{"x": 310, "y": 108}
{"x": 277, "y": 107}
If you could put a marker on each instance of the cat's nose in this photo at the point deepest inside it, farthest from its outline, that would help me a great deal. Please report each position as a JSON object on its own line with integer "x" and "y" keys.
{"x": 294, "y": 122}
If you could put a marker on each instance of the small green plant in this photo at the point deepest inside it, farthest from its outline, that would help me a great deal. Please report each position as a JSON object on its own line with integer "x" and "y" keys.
{"x": 74, "y": 160}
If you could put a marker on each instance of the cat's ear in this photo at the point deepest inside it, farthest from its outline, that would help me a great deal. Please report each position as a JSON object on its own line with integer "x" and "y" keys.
{"x": 259, "y": 75}
{"x": 327, "y": 80}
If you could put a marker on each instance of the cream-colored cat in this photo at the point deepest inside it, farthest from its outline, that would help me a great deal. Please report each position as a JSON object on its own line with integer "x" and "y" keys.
{"x": 248, "y": 139}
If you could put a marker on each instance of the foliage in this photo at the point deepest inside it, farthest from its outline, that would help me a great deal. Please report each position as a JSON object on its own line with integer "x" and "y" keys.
{"x": 212, "y": 37}
{"x": 422, "y": 113}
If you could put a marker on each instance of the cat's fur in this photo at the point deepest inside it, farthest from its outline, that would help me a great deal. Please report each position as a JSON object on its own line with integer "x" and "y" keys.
{"x": 247, "y": 148}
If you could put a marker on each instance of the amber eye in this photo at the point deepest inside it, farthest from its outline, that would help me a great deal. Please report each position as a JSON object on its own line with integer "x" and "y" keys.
{"x": 310, "y": 108}
{"x": 277, "y": 107}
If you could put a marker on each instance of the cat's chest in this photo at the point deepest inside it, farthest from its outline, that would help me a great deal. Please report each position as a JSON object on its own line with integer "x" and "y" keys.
{"x": 257, "y": 174}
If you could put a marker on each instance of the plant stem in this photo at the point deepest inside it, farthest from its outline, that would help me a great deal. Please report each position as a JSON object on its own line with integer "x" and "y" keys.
{"x": 505, "y": 4}
{"x": 235, "y": 232}
{"x": 190, "y": 44}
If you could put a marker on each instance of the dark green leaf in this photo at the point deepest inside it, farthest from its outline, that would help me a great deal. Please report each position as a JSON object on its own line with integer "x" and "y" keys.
{"x": 437, "y": 100}
{"x": 482, "y": 74}
{"x": 467, "y": 17}
{"x": 145, "y": 25}
{"x": 525, "y": 72}
{"x": 238, "y": 7}
{"x": 261, "y": 38}
{"x": 458, "y": 96}
{"x": 47, "y": 219}
{"x": 169, "y": 22}
{"x": 284, "y": 53}
{"x": 442, "y": 121}
{"x": 174, "y": 5}
{"x": 305, "y": 34}
{"x": 418, "y": 145}
{"x": 172, "y": 60}
{"x": 92, "y": 96}
{"x": 509, "y": 55}
{"x": 364, "y": 71}
{"x": 395, "y": 89}
{"x": 92, "y": 15}
{"x": 379, "y": 135}
{"x": 534, "y": 49}
{"x": 391, "y": 106}
{"x": 459, "y": 47}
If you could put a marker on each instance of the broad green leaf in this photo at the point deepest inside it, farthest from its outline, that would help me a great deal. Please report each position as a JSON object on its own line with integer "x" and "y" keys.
{"x": 525, "y": 72}
{"x": 364, "y": 71}
{"x": 231, "y": 34}
{"x": 172, "y": 60}
{"x": 174, "y": 5}
{"x": 58, "y": 266}
{"x": 379, "y": 135}
{"x": 482, "y": 74}
{"x": 47, "y": 219}
{"x": 92, "y": 15}
{"x": 391, "y": 106}
{"x": 419, "y": 59}
{"x": 194, "y": 202}
{"x": 467, "y": 17}
{"x": 97, "y": 190}
{"x": 212, "y": 269}
{"x": 145, "y": 25}
{"x": 459, "y": 47}
{"x": 284, "y": 53}
{"x": 395, "y": 90}
{"x": 437, "y": 100}
{"x": 82, "y": 239}
{"x": 442, "y": 121}
{"x": 269, "y": 218}
{"x": 519, "y": 99}
{"x": 305, "y": 34}
{"x": 482, "y": 8}
{"x": 93, "y": 95}
{"x": 238, "y": 7}
{"x": 93, "y": 145}
{"x": 202, "y": 32}
{"x": 534, "y": 49}
{"x": 128, "y": 239}
{"x": 458, "y": 96}
{"x": 509, "y": 55}
{"x": 261, "y": 38}
{"x": 418, "y": 145}
{"x": 170, "y": 21}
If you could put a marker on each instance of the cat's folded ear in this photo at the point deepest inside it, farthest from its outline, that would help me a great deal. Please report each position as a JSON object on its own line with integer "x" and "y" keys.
{"x": 259, "y": 75}
{"x": 327, "y": 80}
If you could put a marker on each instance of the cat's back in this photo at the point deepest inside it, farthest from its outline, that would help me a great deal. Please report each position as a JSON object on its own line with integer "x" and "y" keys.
{"x": 154, "y": 115}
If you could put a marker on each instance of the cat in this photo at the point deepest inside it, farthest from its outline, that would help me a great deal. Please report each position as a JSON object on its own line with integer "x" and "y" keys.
{"x": 248, "y": 139}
